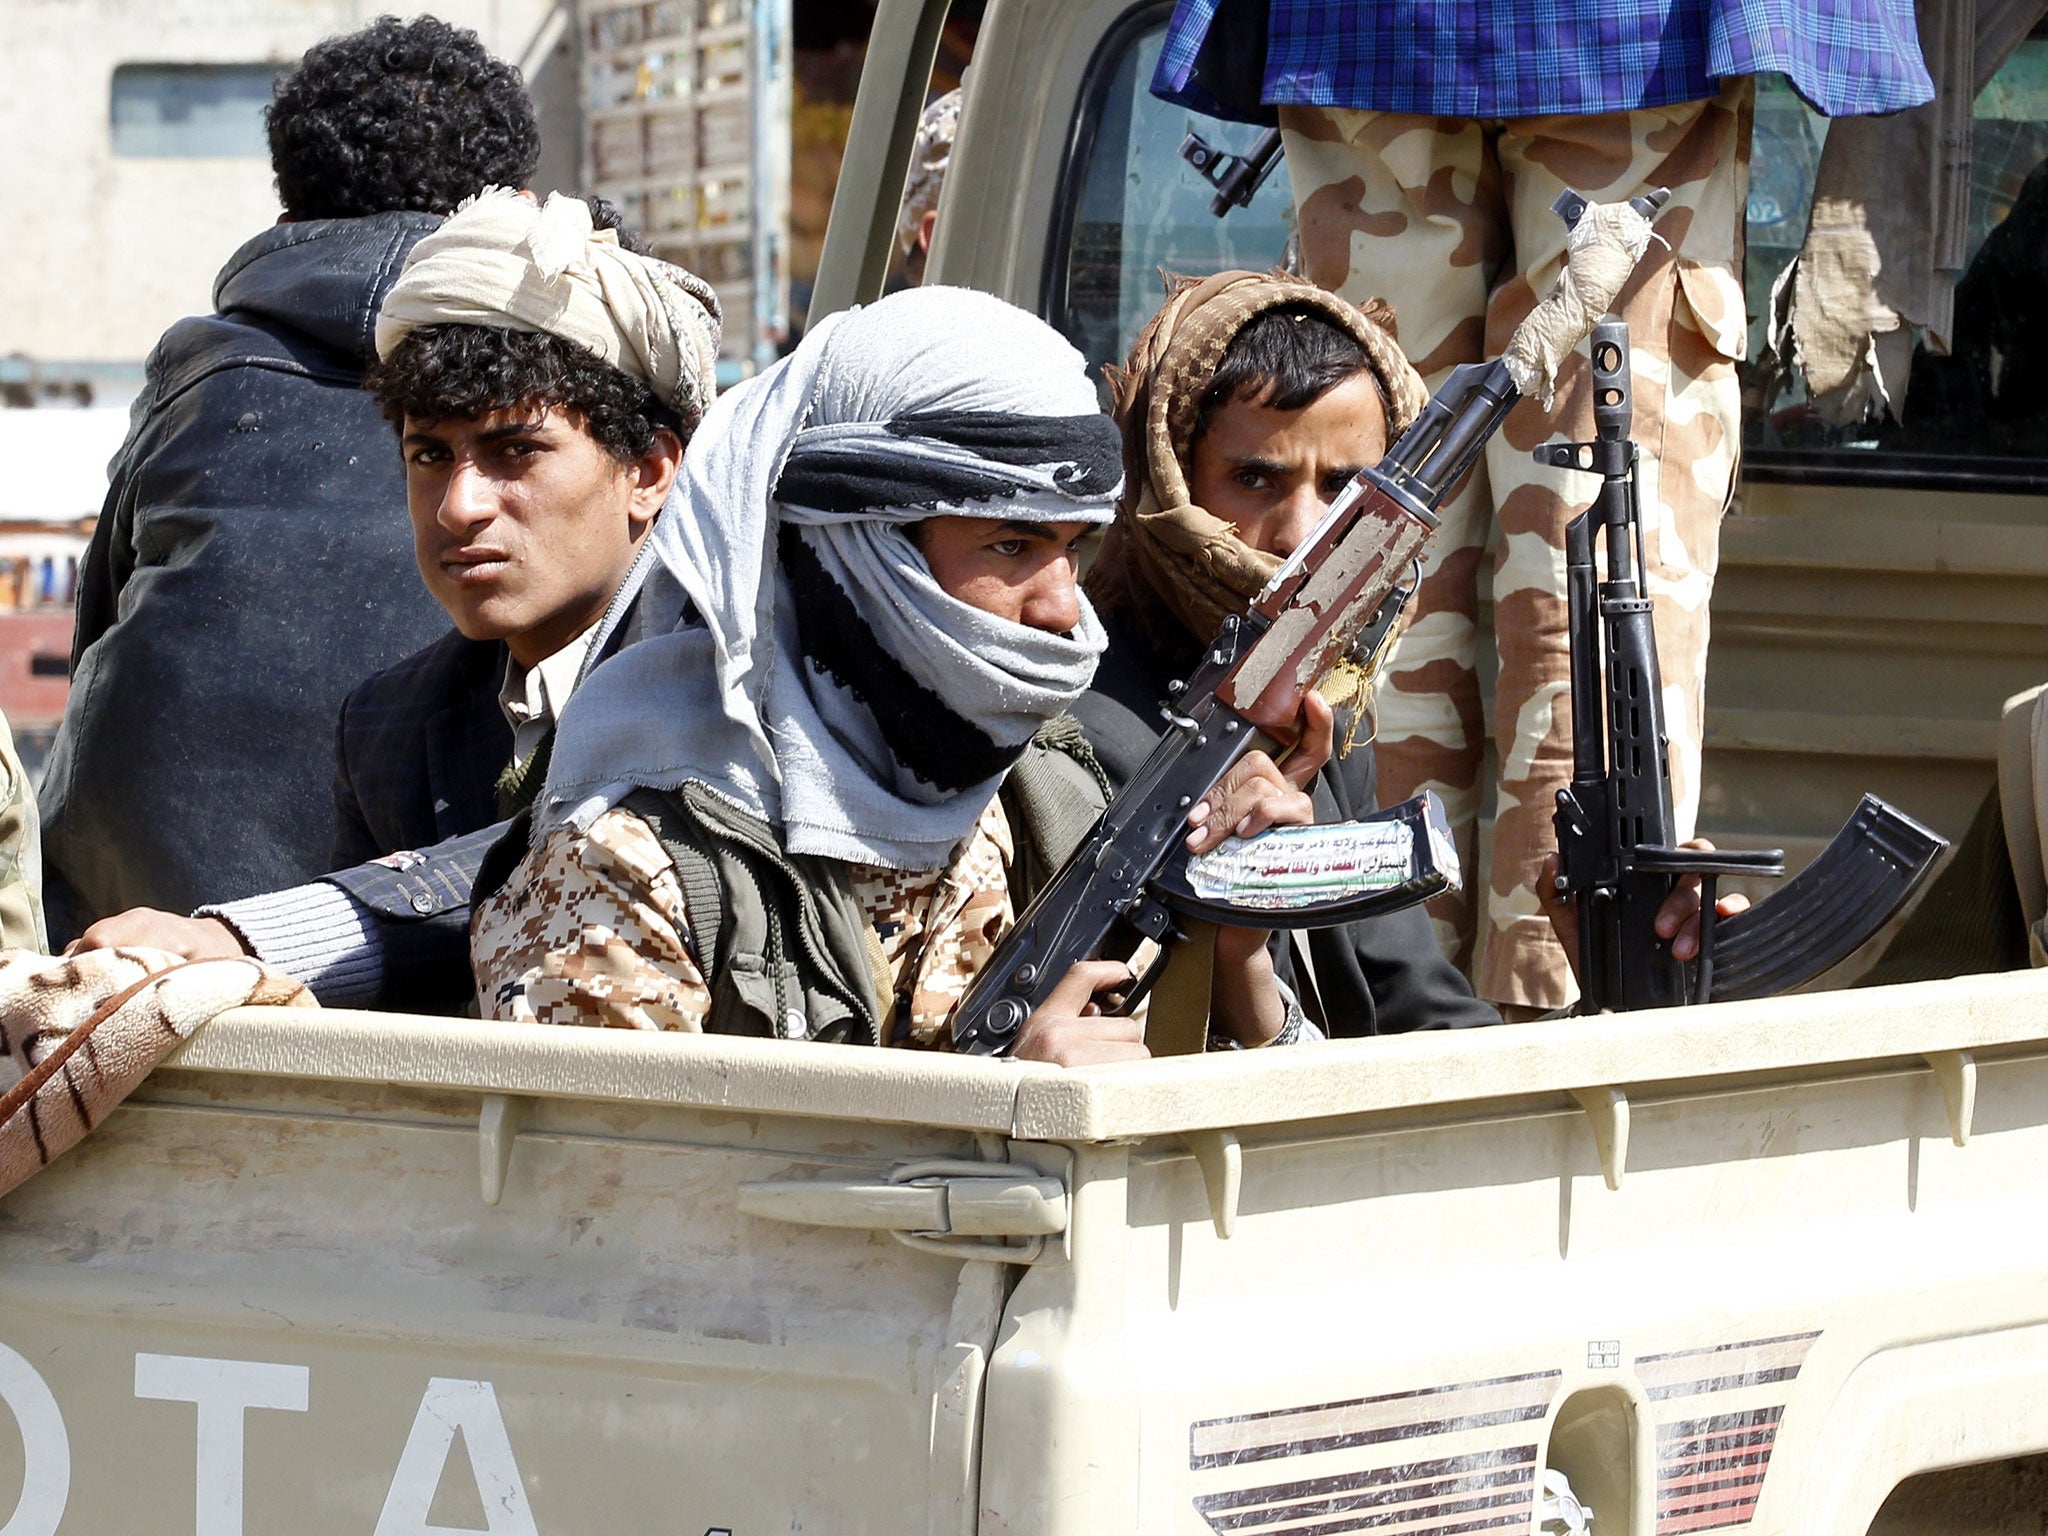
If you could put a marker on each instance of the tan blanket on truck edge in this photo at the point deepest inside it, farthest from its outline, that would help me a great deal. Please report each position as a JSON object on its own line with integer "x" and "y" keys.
{"x": 84, "y": 1030}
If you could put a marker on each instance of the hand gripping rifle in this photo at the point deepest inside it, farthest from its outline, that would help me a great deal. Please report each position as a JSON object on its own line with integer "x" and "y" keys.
{"x": 1615, "y": 829}
{"x": 1132, "y": 874}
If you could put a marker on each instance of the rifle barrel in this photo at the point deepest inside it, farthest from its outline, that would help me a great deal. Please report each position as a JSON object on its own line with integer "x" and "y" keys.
{"x": 1492, "y": 398}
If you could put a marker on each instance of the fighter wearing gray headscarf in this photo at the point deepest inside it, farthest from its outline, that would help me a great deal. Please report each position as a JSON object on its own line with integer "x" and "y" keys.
{"x": 812, "y": 808}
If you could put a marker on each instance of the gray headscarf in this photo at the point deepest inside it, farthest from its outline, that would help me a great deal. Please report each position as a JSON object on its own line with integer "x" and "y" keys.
{"x": 824, "y": 681}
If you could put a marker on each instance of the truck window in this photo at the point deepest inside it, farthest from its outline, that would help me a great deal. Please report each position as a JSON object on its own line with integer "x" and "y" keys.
{"x": 1963, "y": 422}
{"x": 1130, "y": 205}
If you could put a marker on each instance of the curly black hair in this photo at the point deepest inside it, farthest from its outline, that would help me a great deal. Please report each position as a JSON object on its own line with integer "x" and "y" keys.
{"x": 466, "y": 371}
{"x": 462, "y": 372}
{"x": 402, "y": 115}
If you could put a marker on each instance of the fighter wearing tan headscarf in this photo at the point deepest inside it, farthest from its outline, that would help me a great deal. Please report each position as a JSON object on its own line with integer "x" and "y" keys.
{"x": 1164, "y": 547}
{"x": 542, "y": 375}
{"x": 1247, "y": 402}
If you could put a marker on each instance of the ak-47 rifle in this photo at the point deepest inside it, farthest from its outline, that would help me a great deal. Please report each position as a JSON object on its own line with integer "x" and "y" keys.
{"x": 1615, "y": 830}
{"x": 1339, "y": 590}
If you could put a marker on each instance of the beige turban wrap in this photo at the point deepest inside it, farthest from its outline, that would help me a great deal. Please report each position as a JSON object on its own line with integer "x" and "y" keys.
{"x": 1163, "y": 551}
{"x": 504, "y": 260}
{"x": 930, "y": 157}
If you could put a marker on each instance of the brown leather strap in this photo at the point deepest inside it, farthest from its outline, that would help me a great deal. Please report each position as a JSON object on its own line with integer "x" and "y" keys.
{"x": 1177, "y": 1021}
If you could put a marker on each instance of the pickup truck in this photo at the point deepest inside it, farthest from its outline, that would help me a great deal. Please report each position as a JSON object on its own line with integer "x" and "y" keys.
{"x": 1774, "y": 1267}
{"x": 1744, "y": 1267}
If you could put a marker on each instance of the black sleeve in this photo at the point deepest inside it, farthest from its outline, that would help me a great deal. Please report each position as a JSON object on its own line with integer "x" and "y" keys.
{"x": 420, "y": 903}
{"x": 1384, "y": 975}
{"x": 354, "y": 842}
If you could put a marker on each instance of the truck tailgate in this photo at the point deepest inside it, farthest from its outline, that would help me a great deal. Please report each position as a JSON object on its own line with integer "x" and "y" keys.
{"x": 290, "y": 1294}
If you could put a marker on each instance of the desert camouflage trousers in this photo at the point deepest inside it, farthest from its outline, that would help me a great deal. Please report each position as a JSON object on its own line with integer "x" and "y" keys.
{"x": 1449, "y": 219}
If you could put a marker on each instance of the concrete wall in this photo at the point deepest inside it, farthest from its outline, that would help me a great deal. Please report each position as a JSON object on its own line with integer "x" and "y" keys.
{"x": 98, "y": 253}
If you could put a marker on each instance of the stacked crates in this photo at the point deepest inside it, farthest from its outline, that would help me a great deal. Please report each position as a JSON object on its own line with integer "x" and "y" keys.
{"x": 686, "y": 129}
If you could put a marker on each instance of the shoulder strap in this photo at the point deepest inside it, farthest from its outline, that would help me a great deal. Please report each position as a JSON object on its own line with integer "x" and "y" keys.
{"x": 1054, "y": 794}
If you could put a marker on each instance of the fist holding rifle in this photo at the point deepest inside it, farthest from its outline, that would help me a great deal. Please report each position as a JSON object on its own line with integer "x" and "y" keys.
{"x": 1073, "y": 1026}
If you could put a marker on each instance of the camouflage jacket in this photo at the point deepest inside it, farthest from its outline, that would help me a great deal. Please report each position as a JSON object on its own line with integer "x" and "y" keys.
{"x": 677, "y": 911}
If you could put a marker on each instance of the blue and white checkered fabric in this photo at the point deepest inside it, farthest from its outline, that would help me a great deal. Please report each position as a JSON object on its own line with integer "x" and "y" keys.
{"x": 1530, "y": 58}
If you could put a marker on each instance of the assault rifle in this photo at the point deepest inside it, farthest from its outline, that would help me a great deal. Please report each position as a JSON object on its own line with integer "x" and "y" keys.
{"x": 1340, "y": 587}
{"x": 1236, "y": 178}
{"x": 1615, "y": 830}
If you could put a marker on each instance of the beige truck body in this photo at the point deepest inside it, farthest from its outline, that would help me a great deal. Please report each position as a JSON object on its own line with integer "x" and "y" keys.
{"x": 1736, "y": 1268}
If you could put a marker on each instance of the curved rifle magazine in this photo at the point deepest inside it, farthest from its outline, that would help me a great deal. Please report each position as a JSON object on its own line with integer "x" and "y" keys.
{"x": 1829, "y": 909}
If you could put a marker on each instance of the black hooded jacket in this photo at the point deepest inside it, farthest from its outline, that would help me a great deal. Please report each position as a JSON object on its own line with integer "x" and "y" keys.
{"x": 253, "y": 562}
{"x": 1382, "y": 976}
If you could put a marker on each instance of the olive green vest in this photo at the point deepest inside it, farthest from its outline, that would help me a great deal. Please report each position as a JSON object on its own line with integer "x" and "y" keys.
{"x": 783, "y": 944}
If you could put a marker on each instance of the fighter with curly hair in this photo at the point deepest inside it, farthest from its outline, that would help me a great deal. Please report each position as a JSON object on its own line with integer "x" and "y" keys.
{"x": 252, "y": 562}
{"x": 540, "y": 375}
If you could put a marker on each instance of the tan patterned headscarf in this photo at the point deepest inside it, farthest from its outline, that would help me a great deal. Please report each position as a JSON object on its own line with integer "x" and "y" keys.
{"x": 502, "y": 259}
{"x": 1163, "y": 551}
